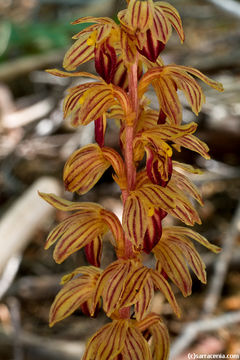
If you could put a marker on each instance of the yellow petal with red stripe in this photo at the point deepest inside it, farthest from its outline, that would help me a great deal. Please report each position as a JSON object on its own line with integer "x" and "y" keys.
{"x": 64, "y": 74}
{"x": 213, "y": 83}
{"x": 135, "y": 346}
{"x": 157, "y": 196}
{"x": 72, "y": 296}
{"x": 61, "y": 228}
{"x": 76, "y": 235}
{"x": 183, "y": 210}
{"x": 161, "y": 27}
{"x": 84, "y": 270}
{"x": 134, "y": 284}
{"x": 160, "y": 342}
{"x": 135, "y": 219}
{"x": 167, "y": 79}
{"x": 84, "y": 168}
{"x": 180, "y": 231}
{"x": 113, "y": 343}
{"x": 66, "y": 205}
{"x": 187, "y": 168}
{"x": 172, "y": 16}
{"x": 193, "y": 258}
{"x": 128, "y": 47}
{"x": 160, "y": 345}
{"x": 111, "y": 285}
{"x": 186, "y": 185}
{"x": 79, "y": 53}
{"x": 107, "y": 342}
{"x": 92, "y": 19}
{"x": 143, "y": 304}
{"x": 72, "y": 102}
{"x": 95, "y": 102}
{"x": 192, "y": 143}
{"x": 140, "y": 14}
{"x": 174, "y": 265}
{"x": 161, "y": 283}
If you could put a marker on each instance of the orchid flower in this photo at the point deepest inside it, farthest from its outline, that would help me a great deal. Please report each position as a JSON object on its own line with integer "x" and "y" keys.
{"x": 153, "y": 185}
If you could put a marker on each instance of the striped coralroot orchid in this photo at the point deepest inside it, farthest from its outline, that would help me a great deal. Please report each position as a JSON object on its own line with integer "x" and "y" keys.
{"x": 153, "y": 185}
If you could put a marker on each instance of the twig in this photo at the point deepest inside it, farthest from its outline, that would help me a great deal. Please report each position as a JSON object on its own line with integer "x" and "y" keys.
{"x": 42, "y": 348}
{"x": 9, "y": 273}
{"x": 24, "y": 65}
{"x": 20, "y": 222}
{"x": 27, "y": 115}
{"x": 14, "y": 307}
{"x": 192, "y": 330}
{"x": 230, "y": 6}
{"x": 221, "y": 266}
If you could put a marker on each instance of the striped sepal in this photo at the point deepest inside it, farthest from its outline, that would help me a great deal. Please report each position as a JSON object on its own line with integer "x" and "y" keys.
{"x": 111, "y": 285}
{"x": 160, "y": 133}
{"x": 128, "y": 47}
{"x": 135, "y": 219}
{"x": 148, "y": 119}
{"x": 79, "y": 53}
{"x": 84, "y": 168}
{"x": 124, "y": 101}
{"x": 172, "y": 16}
{"x": 144, "y": 300}
{"x": 174, "y": 265}
{"x": 135, "y": 282}
{"x": 72, "y": 102}
{"x": 192, "y": 257}
{"x": 191, "y": 142}
{"x": 184, "y": 210}
{"x": 161, "y": 27}
{"x": 107, "y": 342}
{"x": 94, "y": 103}
{"x": 66, "y": 205}
{"x": 83, "y": 270}
{"x": 160, "y": 338}
{"x": 139, "y": 15}
{"x": 187, "y": 168}
{"x": 214, "y": 84}
{"x": 186, "y": 185}
{"x": 72, "y": 296}
{"x": 65, "y": 74}
{"x": 161, "y": 283}
{"x": 176, "y": 245}
{"x": 97, "y": 20}
{"x": 160, "y": 344}
{"x": 167, "y": 79}
{"x": 76, "y": 235}
{"x": 166, "y": 92}
{"x": 157, "y": 196}
{"x": 183, "y": 232}
{"x": 113, "y": 341}
{"x": 135, "y": 346}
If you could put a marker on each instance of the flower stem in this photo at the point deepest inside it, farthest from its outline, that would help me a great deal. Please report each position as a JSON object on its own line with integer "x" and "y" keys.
{"x": 129, "y": 137}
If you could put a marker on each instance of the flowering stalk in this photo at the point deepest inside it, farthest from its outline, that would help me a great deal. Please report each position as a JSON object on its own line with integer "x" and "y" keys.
{"x": 153, "y": 185}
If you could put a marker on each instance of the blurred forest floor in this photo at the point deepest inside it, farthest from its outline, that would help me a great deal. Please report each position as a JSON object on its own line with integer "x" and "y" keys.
{"x": 35, "y": 142}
